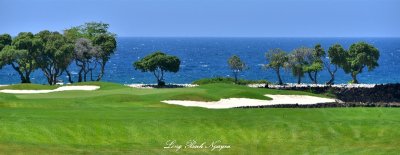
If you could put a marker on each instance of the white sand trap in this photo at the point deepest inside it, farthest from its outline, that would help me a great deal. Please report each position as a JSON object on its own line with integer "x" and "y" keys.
{"x": 63, "y": 88}
{"x": 240, "y": 102}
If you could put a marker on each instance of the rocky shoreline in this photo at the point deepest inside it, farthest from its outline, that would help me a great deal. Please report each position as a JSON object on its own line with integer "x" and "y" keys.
{"x": 328, "y": 105}
{"x": 171, "y": 85}
{"x": 361, "y": 95}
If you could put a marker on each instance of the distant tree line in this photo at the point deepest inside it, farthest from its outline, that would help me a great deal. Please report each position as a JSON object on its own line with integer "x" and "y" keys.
{"x": 310, "y": 61}
{"x": 89, "y": 46}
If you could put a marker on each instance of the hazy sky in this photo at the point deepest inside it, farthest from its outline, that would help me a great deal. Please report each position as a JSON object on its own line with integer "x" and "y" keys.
{"x": 216, "y": 18}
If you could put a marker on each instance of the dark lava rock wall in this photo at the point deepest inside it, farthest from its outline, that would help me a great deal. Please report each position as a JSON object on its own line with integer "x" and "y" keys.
{"x": 384, "y": 93}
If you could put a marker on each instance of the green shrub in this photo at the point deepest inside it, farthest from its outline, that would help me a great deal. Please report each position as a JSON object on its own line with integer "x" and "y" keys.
{"x": 227, "y": 80}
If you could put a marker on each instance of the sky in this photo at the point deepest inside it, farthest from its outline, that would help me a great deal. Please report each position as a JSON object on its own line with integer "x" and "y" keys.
{"x": 208, "y": 18}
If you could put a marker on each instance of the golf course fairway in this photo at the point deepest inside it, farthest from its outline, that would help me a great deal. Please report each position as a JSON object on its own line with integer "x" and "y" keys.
{"x": 117, "y": 119}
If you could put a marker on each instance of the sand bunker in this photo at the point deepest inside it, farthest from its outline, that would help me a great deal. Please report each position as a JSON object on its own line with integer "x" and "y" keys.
{"x": 241, "y": 102}
{"x": 63, "y": 88}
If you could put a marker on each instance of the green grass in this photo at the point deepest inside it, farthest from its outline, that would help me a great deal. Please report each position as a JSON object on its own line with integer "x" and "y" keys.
{"x": 122, "y": 120}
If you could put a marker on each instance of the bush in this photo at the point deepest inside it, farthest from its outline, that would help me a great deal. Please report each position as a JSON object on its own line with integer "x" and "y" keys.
{"x": 228, "y": 80}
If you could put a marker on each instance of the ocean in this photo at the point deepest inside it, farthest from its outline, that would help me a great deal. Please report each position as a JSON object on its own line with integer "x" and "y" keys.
{"x": 207, "y": 57}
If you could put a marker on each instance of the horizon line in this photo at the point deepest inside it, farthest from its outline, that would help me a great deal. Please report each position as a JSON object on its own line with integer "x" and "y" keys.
{"x": 258, "y": 36}
{"x": 118, "y": 36}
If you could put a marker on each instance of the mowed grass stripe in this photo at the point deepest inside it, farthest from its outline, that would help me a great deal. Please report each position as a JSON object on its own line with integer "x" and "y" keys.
{"x": 122, "y": 120}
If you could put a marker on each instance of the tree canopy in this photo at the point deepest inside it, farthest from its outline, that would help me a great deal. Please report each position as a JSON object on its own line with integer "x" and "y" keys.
{"x": 101, "y": 39}
{"x": 5, "y": 39}
{"x": 336, "y": 57}
{"x": 86, "y": 56}
{"x": 277, "y": 59}
{"x": 314, "y": 63}
{"x": 360, "y": 55}
{"x": 236, "y": 65}
{"x": 298, "y": 60}
{"x": 55, "y": 56}
{"x": 21, "y": 54}
{"x": 158, "y": 63}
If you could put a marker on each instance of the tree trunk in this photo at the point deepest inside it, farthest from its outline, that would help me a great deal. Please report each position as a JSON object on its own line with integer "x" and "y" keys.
{"x": 315, "y": 77}
{"x": 332, "y": 73}
{"x": 103, "y": 66}
{"x": 48, "y": 76}
{"x": 298, "y": 79}
{"x": 91, "y": 75}
{"x": 84, "y": 76}
{"x": 279, "y": 77}
{"x": 69, "y": 76}
{"x": 49, "y": 81}
{"x": 23, "y": 78}
{"x": 330, "y": 82}
{"x": 354, "y": 76}
{"x": 159, "y": 77}
{"x": 27, "y": 77}
{"x": 27, "y": 80}
{"x": 55, "y": 78}
{"x": 235, "y": 74}
{"x": 80, "y": 75}
{"x": 85, "y": 71}
{"x": 160, "y": 83}
{"x": 311, "y": 78}
{"x": 82, "y": 67}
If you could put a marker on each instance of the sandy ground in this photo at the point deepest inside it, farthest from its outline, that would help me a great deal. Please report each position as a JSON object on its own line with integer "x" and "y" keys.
{"x": 240, "y": 102}
{"x": 63, "y": 88}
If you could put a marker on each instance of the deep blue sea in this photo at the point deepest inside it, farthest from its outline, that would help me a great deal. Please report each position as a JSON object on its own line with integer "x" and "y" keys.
{"x": 207, "y": 57}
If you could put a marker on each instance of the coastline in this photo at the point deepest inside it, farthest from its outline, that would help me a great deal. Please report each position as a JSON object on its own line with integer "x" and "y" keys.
{"x": 272, "y": 86}
{"x": 306, "y": 85}
{"x": 153, "y": 85}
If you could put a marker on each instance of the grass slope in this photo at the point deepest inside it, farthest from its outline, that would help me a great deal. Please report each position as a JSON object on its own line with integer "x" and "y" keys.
{"x": 122, "y": 120}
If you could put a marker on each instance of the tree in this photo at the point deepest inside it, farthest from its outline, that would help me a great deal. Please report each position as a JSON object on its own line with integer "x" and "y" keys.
{"x": 21, "y": 55}
{"x": 277, "y": 59}
{"x": 100, "y": 38}
{"x": 55, "y": 56}
{"x": 297, "y": 60}
{"x": 237, "y": 66}
{"x": 361, "y": 55}
{"x": 85, "y": 55}
{"x": 336, "y": 57}
{"x": 72, "y": 35}
{"x": 314, "y": 63}
{"x": 107, "y": 43}
{"x": 158, "y": 63}
{"x": 5, "y": 39}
